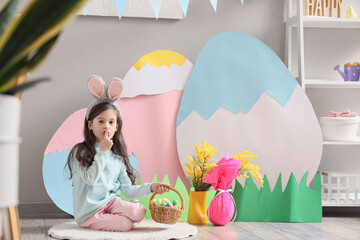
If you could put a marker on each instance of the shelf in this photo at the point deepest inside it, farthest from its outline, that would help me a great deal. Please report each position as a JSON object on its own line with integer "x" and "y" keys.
{"x": 340, "y": 204}
{"x": 343, "y": 143}
{"x": 320, "y": 83}
{"x": 330, "y": 22}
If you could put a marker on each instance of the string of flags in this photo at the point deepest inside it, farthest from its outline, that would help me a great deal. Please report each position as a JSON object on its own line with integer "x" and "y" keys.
{"x": 156, "y": 4}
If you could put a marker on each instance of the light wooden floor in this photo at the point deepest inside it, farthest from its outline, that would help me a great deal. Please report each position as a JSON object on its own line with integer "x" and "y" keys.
{"x": 330, "y": 228}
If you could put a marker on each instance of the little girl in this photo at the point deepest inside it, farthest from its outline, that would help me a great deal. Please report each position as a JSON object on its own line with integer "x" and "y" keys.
{"x": 100, "y": 167}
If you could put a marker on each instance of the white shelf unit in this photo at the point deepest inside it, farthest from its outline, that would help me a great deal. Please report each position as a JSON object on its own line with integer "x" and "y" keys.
{"x": 344, "y": 143}
{"x": 321, "y": 83}
{"x": 298, "y": 21}
{"x": 295, "y": 20}
{"x": 340, "y": 189}
{"x": 330, "y": 22}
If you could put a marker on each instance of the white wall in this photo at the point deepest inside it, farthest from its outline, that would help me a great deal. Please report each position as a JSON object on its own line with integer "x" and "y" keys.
{"x": 109, "y": 47}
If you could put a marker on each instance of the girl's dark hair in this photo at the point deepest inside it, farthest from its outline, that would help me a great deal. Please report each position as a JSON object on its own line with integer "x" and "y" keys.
{"x": 85, "y": 151}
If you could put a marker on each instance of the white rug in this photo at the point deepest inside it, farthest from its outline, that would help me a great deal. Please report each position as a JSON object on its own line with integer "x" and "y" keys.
{"x": 147, "y": 229}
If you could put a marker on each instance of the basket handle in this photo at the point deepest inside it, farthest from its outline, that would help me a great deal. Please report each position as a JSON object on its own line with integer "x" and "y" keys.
{"x": 173, "y": 189}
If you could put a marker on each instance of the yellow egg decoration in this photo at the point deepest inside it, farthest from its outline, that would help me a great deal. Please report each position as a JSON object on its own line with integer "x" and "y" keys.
{"x": 153, "y": 201}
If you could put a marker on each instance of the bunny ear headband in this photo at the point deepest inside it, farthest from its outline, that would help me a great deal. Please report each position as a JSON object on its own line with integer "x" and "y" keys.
{"x": 98, "y": 89}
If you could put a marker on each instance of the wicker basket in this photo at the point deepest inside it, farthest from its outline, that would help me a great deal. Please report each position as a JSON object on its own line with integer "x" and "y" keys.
{"x": 167, "y": 215}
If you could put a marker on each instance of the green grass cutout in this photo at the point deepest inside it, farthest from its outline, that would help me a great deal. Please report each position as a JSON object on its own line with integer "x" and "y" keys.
{"x": 298, "y": 203}
{"x": 180, "y": 186}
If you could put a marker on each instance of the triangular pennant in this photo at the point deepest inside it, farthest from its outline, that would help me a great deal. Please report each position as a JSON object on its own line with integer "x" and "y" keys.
{"x": 214, "y": 4}
{"x": 120, "y": 5}
{"x": 86, "y": 8}
{"x": 184, "y": 6}
{"x": 156, "y": 4}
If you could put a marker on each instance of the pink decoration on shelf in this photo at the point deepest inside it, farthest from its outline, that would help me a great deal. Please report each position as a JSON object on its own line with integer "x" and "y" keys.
{"x": 222, "y": 207}
{"x": 346, "y": 113}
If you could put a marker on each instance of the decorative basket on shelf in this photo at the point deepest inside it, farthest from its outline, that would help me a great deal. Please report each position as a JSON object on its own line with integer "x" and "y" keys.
{"x": 164, "y": 214}
{"x": 341, "y": 126}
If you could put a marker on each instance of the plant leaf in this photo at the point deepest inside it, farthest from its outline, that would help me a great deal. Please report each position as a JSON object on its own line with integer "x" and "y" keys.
{"x": 7, "y": 14}
{"x": 39, "y": 22}
{"x": 24, "y": 86}
{"x": 41, "y": 53}
{"x": 28, "y": 63}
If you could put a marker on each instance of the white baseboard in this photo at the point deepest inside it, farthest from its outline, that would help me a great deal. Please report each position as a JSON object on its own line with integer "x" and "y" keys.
{"x": 41, "y": 210}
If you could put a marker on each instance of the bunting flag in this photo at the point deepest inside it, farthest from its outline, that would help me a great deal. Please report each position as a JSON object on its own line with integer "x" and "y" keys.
{"x": 214, "y": 4}
{"x": 120, "y": 5}
{"x": 184, "y": 6}
{"x": 156, "y": 4}
{"x": 86, "y": 8}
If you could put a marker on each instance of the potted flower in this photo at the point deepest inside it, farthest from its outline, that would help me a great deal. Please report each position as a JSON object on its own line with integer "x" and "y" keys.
{"x": 200, "y": 167}
{"x": 197, "y": 170}
{"x": 25, "y": 41}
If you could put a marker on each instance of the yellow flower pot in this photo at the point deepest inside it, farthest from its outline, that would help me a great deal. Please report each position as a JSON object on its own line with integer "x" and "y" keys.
{"x": 197, "y": 208}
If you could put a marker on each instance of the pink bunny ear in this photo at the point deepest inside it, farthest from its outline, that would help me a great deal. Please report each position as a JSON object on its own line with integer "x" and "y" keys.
{"x": 96, "y": 86}
{"x": 115, "y": 89}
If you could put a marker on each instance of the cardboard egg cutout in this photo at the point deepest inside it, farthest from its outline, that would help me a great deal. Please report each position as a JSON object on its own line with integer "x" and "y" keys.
{"x": 153, "y": 88}
{"x": 55, "y": 175}
{"x": 241, "y": 97}
{"x": 152, "y": 92}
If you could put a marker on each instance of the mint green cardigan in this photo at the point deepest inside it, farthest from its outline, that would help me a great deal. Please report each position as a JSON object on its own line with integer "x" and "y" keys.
{"x": 98, "y": 184}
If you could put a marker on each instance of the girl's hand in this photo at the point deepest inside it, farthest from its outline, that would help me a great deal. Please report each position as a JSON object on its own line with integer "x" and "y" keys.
{"x": 106, "y": 143}
{"x": 159, "y": 188}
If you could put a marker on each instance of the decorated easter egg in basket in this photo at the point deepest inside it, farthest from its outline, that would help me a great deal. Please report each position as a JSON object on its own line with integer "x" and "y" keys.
{"x": 166, "y": 212}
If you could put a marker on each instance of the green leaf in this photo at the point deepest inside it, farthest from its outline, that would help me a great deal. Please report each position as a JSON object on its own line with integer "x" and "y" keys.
{"x": 7, "y": 14}
{"x": 29, "y": 63}
{"x": 40, "y": 21}
{"x": 26, "y": 85}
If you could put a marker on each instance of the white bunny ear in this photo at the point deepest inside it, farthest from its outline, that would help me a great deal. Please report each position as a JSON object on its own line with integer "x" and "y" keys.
{"x": 96, "y": 86}
{"x": 115, "y": 89}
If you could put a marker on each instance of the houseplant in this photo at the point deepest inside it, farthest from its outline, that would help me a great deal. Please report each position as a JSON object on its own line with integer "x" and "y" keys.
{"x": 25, "y": 41}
